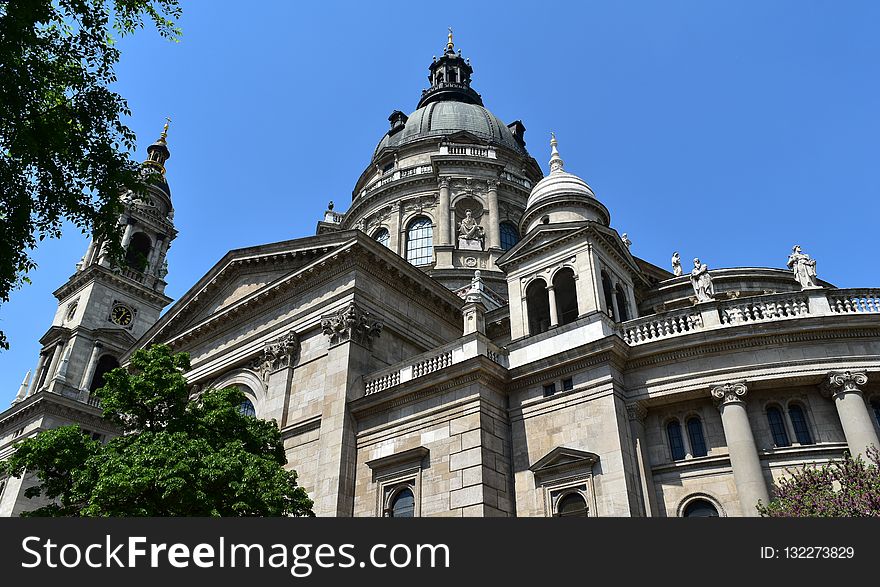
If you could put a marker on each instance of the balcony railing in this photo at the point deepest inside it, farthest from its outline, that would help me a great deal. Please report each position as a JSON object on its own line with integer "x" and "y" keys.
{"x": 854, "y": 301}
{"x": 655, "y": 327}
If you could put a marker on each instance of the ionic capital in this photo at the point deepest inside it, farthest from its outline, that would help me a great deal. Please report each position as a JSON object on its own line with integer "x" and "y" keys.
{"x": 840, "y": 382}
{"x": 730, "y": 393}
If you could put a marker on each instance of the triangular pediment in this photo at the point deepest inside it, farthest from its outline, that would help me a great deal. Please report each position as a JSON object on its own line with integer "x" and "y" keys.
{"x": 241, "y": 277}
{"x": 563, "y": 457}
{"x": 464, "y": 136}
{"x": 538, "y": 240}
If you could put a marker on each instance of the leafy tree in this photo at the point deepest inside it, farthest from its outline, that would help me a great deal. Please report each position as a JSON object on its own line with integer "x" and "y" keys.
{"x": 843, "y": 488}
{"x": 177, "y": 455}
{"x": 64, "y": 151}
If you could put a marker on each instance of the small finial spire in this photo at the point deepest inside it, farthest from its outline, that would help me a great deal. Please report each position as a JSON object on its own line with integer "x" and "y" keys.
{"x": 158, "y": 153}
{"x": 449, "y": 43}
{"x": 164, "y": 134}
{"x": 556, "y": 162}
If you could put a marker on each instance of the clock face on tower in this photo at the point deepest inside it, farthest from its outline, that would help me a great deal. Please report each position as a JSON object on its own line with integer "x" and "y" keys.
{"x": 121, "y": 315}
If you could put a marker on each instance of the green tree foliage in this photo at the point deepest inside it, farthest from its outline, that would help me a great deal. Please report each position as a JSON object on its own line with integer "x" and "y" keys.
{"x": 64, "y": 151}
{"x": 177, "y": 456}
{"x": 843, "y": 488}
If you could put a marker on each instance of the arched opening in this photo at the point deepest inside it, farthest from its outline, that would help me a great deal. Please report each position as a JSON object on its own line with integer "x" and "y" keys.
{"x": 622, "y": 306}
{"x": 572, "y": 505}
{"x": 246, "y": 408}
{"x": 695, "y": 435}
{"x": 538, "y": 306}
{"x": 453, "y": 75}
{"x": 875, "y": 405}
{"x": 566, "y": 296}
{"x": 138, "y": 253}
{"x": 609, "y": 295}
{"x": 700, "y": 508}
{"x": 676, "y": 442}
{"x": 799, "y": 423}
{"x": 382, "y": 236}
{"x": 403, "y": 504}
{"x": 509, "y": 235}
{"x": 777, "y": 427}
{"x": 420, "y": 241}
{"x": 105, "y": 364}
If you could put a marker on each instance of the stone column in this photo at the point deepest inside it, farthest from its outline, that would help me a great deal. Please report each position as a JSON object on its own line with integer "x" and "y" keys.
{"x": 637, "y": 413}
{"x": 443, "y": 211}
{"x": 22, "y": 390}
{"x": 554, "y": 314}
{"x": 37, "y": 372}
{"x": 126, "y": 236}
{"x": 617, "y": 316}
{"x": 90, "y": 252}
{"x": 152, "y": 265}
{"x": 494, "y": 226}
{"x": 90, "y": 367}
{"x": 53, "y": 364}
{"x": 845, "y": 389}
{"x": 60, "y": 376}
{"x": 744, "y": 459}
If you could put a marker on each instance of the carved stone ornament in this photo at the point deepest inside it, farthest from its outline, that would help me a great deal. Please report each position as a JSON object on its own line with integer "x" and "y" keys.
{"x": 278, "y": 354}
{"x": 636, "y": 411}
{"x": 730, "y": 393}
{"x": 840, "y": 382}
{"x": 351, "y": 323}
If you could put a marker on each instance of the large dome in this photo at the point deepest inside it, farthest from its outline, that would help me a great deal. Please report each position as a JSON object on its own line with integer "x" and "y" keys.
{"x": 439, "y": 119}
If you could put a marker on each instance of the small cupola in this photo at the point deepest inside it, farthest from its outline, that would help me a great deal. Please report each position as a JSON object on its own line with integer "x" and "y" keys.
{"x": 450, "y": 78}
{"x": 561, "y": 197}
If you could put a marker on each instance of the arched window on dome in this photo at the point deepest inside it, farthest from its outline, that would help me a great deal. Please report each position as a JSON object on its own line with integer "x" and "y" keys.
{"x": 566, "y": 296}
{"x": 382, "y": 236}
{"x": 676, "y": 442}
{"x": 777, "y": 427}
{"x": 538, "y": 306}
{"x": 138, "y": 253}
{"x": 799, "y": 424}
{"x": 608, "y": 291}
{"x": 509, "y": 235}
{"x": 420, "y": 241}
{"x": 695, "y": 435}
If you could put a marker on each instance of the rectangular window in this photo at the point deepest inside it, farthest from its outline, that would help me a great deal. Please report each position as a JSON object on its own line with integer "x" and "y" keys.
{"x": 567, "y": 384}
{"x": 549, "y": 389}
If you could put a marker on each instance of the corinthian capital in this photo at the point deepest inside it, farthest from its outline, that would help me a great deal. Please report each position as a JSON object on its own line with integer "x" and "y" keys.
{"x": 840, "y": 382}
{"x": 730, "y": 393}
{"x": 351, "y": 323}
{"x": 492, "y": 184}
{"x": 637, "y": 411}
{"x": 443, "y": 182}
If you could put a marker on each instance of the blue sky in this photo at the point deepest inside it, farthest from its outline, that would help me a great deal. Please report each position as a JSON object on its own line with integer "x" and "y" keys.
{"x": 728, "y": 130}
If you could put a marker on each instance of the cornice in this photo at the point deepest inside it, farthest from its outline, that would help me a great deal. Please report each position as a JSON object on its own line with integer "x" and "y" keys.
{"x": 99, "y": 273}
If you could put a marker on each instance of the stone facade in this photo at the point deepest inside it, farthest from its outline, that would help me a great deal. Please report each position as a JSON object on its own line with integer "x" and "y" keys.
{"x": 566, "y": 377}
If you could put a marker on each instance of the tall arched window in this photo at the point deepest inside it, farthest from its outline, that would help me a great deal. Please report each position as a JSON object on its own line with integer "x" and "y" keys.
{"x": 538, "y": 306}
{"x": 572, "y": 505}
{"x": 777, "y": 427}
{"x": 403, "y": 504}
{"x": 799, "y": 423}
{"x": 622, "y": 306}
{"x": 566, "y": 296}
{"x": 875, "y": 403}
{"x": 420, "y": 241}
{"x": 700, "y": 508}
{"x": 607, "y": 290}
{"x": 382, "y": 236}
{"x": 676, "y": 443}
{"x": 105, "y": 364}
{"x": 695, "y": 435}
{"x": 509, "y": 235}
{"x": 247, "y": 408}
{"x": 138, "y": 252}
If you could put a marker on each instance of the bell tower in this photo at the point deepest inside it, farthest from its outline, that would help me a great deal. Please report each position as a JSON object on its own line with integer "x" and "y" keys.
{"x": 104, "y": 307}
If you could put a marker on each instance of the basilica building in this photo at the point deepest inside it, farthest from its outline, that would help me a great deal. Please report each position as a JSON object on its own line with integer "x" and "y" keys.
{"x": 471, "y": 337}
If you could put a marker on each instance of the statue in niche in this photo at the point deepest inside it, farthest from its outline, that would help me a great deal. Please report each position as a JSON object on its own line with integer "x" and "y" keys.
{"x": 470, "y": 234}
{"x": 702, "y": 282}
{"x": 676, "y": 264}
{"x": 803, "y": 268}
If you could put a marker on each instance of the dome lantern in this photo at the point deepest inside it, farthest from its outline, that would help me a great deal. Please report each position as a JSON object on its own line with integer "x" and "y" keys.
{"x": 450, "y": 78}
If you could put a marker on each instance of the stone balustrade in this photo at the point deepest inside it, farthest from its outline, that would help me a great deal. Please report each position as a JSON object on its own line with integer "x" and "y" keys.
{"x": 465, "y": 348}
{"x": 854, "y": 301}
{"x": 506, "y": 175}
{"x": 470, "y": 150}
{"x": 763, "y": 308}
{"x": 396, "y": 175}
{"x": 657, "y": 326}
